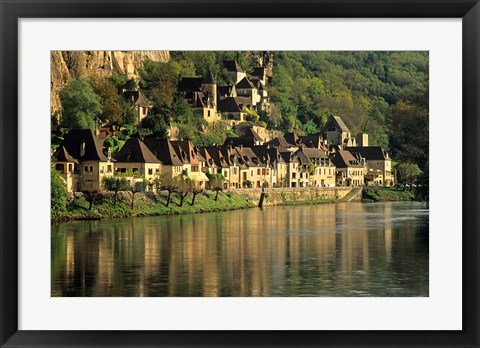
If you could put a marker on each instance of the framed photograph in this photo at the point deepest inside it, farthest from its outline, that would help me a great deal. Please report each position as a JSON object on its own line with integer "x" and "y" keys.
{"x": 208, "y": 173}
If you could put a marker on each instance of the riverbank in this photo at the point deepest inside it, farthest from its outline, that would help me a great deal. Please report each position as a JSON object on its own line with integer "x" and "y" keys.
{"x": 151, "y": 204}
{"x": 382, "y": 194}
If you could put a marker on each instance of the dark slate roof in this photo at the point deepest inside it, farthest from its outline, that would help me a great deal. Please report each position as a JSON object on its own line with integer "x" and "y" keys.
{"x": 209, "y": 78}
{"x": 341, "y": 124}
{"x": 245, "y": 83}
{"x": 344, "y": 159}
{"x": 164, "y": 151}
{"x": 224, "y": 90}
{"x": 141, "y": 101}
{"x": 313, "y": 153}
{"x": 337, "y": 121}
{"x": 232, "y": 65}
{"x": 279, "y": 142}
{"x": 136, "y": 97}
{"x": 259, "y": 72}
{"x": 249, "y": 157}
{"x": 233, "y": 104}
{"x": 93, "y": 145}
{"x": 135, "y": 151}
{"x": 248, "y": 124}
{"x": 370, "y": 153}
{"x": 257, "y": 83}
{"x": 190, "y": 84}
{"x": 237, "y": 141}
{"x": 187, "y": 151}
{"x": 62, "y": 155}
{"x": 250, "y": 133}
{"x": 267, "y": 153}
{"x": 312, "y": 140}
{"x": 217, "y": 156}
{"x": 291, "y": 138}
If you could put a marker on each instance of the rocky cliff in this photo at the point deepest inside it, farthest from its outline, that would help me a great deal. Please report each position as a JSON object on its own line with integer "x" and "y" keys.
{"x": 65, "y": 65}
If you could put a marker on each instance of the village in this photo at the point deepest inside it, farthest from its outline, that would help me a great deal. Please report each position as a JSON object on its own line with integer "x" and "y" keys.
{"x": 256, "y": 158}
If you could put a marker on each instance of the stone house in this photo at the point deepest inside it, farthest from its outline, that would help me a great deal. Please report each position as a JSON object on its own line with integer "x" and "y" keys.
{"x": 350, "y": 170}
{"x": 233, "y": 72}
{"x": 378, "y": 161}
{"x": 93, "y": 164}
{"x": 67, "y": 166}
{"x": 235, "y": 109}
{"x": 192, "y": 160}
{"x": 138, "y": 101}
{"x": 321, "y": 169}
{"x": 172, "y": 164}
{"x": 336, "y": 132}
{"x": 136, "y": 157}
{"x": 202, "y": 94}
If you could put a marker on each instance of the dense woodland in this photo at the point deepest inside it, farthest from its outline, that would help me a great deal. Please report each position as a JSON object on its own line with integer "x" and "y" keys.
{"x": 382, "y": 93}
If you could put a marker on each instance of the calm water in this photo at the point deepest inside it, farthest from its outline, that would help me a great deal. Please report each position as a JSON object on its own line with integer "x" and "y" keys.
{"x": 352, "y": 249}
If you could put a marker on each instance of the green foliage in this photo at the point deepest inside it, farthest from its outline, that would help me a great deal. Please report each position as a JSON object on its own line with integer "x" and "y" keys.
{"x": 81, "y": 106}
{"x": 310, "y": 127}
{"x": 407, "y": 172}
{"x": 114, "y": 184}
{"x": 111, "y": 101}
{"x": 213, "y": 135}
{"x": 361, "y": 87}
{"x": 156, "y": 124}
{"x": 58, "y": 194}
{"x": 159, "y": 81}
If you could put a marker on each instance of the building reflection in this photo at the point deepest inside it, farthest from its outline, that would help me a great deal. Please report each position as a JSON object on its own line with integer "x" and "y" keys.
{"x": 325, "y": 250}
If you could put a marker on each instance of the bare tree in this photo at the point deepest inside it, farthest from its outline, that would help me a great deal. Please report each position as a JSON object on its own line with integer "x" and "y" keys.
{"x": 166, "y": 183}
{"x": 195, "y": 191}
{"x": 184, "y": 187}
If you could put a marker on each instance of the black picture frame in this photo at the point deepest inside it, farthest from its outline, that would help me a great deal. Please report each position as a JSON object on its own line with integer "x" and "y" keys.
{"x": 11, "y": 11}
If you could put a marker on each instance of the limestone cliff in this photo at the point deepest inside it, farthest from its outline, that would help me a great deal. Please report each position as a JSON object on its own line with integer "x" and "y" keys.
{"x": 65, "y": 65}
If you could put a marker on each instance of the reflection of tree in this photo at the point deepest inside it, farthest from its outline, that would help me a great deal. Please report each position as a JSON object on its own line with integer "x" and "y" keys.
{"x": 285, "y": 252}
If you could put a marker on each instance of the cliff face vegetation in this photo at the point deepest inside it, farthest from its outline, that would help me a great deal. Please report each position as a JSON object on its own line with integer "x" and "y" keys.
{"x": 65, "y": 65}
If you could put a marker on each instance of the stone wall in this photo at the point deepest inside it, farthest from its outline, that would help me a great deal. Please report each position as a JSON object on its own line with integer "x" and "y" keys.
{"x": 277, "y": 196}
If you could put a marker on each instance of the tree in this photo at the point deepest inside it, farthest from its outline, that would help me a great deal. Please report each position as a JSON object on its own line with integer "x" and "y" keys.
{"x": 195, "y": 191}
{"x": 58, "y": 193}
{"x": 135, "y": 188}
{"x": 91, "y": 195}
{"x": 215, "y": 182}
{"x": 407, "y": 173}
{"x": 184, "y": 187}
{"x": 80, "y": 105}
{"x": 159, "y": 81}
{"x": 156, "y": 124}
{"x": 310, "y": 127}
{"x": 110, "y": 100}
{"x": 115, "y": 185}
{"x": 166, "y": 183}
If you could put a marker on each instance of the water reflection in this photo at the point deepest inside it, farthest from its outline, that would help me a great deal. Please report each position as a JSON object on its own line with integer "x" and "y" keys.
{"x": 349, "y": 249}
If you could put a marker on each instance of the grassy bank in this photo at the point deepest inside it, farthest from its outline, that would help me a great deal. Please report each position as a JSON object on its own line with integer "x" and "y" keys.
{"x": 382, "y": 194}
{"x": 150, "y": 205}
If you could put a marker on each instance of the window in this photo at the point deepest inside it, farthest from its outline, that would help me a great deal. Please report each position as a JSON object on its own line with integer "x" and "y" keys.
{"x": 208, "y": 113}
{"x": 225, "y": 174}
{"x": 234, "y": 170}
{"x": 109, "y": 168}
{"x": 102, "y": 169}
{"x": 294, "y": 175}
{"x": 59, "y": 167}
{"x": 150, "y": 171}
{"x": 251, "y": 173}
{"x": 258, "y": 171}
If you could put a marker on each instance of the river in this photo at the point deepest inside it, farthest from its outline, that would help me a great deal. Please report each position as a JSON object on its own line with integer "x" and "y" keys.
{"x": 345, "y": 249}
